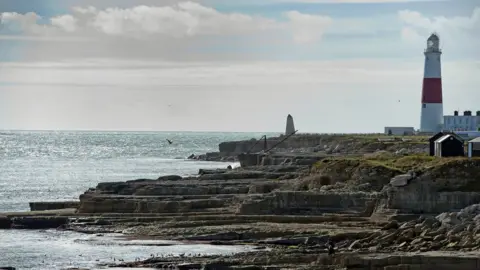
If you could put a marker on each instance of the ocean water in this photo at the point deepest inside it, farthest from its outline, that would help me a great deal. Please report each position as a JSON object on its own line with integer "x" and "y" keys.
{"x": 51, "y": 249}
{"x": 50, "y": 166}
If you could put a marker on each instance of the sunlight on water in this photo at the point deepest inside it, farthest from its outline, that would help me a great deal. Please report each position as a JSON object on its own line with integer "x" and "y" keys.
{"x": 51, "y": 166}
{"x": 53, "y": 249}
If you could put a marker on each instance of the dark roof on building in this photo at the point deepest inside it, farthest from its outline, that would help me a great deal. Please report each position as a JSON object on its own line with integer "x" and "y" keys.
{"x": 443, "y": 133}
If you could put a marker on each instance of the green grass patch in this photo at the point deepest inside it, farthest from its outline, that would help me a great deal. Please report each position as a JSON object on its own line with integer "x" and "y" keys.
{"x": 387, "y": 160}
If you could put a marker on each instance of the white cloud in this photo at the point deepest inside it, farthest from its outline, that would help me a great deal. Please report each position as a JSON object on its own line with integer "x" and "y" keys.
{"x": 182, "y": 30}
{"x": 15, "y": 22}
{"x": 66, "y": 22}
{"x": 453, "y": 29}
{"x": 185, "y": 19}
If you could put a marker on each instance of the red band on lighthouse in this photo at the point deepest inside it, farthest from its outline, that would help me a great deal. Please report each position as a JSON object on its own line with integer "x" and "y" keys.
{"x": 432, "y": 90}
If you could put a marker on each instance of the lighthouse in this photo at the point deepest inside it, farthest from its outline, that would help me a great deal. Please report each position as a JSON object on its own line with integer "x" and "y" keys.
{"x": 432, "y": 101}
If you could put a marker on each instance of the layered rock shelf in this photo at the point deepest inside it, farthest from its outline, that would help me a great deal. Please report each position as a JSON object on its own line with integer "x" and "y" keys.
{"x": 42, "y": 206}
{"x": 385, "y": 210}
{"x": 321, "y": 144}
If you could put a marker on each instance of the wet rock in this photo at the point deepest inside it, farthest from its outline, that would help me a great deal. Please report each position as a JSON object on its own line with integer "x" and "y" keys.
{"x": 170, "y": 178}
{"x": 189, "y": 266}
{"x": 5, "y": 222}
{"x": 211, "y": 171}
{"x": 216, "y": 266}
{"x": 285, "y": 241}
{"x": 38, "y": 222}
{"x": 141, "y": 180}
{"x": 102, "y": 222}
{"x": 229, "y": 236}
{"x": 42, "y": 206}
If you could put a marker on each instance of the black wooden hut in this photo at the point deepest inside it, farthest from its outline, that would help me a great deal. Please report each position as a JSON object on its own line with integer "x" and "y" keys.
{"x": 449, "y": 145}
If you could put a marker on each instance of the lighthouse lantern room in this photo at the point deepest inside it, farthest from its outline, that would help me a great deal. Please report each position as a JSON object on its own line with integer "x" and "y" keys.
{"x": 432, "y": 100}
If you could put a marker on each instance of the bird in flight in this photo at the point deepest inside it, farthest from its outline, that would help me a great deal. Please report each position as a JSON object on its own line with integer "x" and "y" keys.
{"x": 169, "y": 141}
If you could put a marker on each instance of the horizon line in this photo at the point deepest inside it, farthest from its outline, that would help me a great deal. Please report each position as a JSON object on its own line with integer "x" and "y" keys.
{"x": 119, "y": 130}
{"x": 180, "y": 131}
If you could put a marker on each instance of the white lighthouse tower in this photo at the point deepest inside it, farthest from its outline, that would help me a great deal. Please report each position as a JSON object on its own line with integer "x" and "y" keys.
{"x": 432, "y": 100}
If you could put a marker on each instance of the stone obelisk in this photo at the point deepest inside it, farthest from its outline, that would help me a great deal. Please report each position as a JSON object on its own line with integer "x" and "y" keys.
{"x": 290, "y": 126}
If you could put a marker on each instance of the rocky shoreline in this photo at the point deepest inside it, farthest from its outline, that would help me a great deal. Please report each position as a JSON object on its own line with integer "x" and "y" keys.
{"x": 385, "y": 208}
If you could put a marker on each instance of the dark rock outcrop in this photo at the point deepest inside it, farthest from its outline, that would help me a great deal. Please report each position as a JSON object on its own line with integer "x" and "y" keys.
{"x": 42, "y": 206}
{"x": 38, "y": 222}
{"x": 5, "y": 222}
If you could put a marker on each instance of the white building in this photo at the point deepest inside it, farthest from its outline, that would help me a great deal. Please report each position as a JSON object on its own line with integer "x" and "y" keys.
{"x": 465, "y": 122}
{"x": 399, "y": 131}
{"x": 474, "y": 148}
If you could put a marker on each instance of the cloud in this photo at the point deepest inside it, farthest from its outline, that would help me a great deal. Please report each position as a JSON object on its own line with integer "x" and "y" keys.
{"x": 352, "y": 1}
{"x": 135, "y": 95}
{"x": 453, "y": 29}
{"x": 330, "y": 1}
{"x": 179, "y": 31}
{"x": 182, "y": 20}
{"x": 68, "y": 23}
{"x": 12, "y": 22}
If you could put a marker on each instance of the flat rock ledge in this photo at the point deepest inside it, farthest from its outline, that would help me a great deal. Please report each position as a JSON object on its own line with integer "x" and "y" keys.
{"x": 313, "y": 259}
{"x": 378, "y": 218}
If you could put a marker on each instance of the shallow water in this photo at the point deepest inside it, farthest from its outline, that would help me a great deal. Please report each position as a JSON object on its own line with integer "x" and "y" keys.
{"x": 50, "y": 166}
{"x": 51, "y": 249}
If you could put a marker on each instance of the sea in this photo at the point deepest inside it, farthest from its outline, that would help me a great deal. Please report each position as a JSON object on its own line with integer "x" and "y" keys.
{"x": 58, "y": 166}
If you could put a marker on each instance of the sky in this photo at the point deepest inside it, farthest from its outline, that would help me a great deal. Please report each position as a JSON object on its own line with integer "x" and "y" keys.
{"x": 337, "y": 66}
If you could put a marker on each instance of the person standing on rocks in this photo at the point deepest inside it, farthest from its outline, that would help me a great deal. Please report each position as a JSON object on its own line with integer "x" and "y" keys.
{"x": 331, "y": 247}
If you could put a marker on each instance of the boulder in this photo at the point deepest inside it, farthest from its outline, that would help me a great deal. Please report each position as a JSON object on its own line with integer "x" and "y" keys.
{"x": 400, "y": 180}
{"x": 448, "y": 219}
